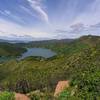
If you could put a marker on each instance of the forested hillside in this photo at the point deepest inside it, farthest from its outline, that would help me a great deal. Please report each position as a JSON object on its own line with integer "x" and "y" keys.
{"x": 8, "y": 49}
{"x": 77, "y": 61}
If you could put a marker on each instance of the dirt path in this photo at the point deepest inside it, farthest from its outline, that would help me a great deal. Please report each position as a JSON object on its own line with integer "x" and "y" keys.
{"x": 19, "y": 96}
{"x": 60, "y": 87}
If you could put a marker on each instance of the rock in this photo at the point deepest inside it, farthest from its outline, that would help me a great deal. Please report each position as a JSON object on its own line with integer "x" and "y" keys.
{"x": 60, "y": 87}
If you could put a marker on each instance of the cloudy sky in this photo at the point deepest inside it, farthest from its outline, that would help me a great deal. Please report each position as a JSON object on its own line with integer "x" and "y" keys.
{"x": 49, "y": 18}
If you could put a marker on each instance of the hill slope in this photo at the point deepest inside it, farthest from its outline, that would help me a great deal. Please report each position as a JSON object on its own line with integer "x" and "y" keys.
{"x": 78, "y": 62}
{"x": 7, "y": 49}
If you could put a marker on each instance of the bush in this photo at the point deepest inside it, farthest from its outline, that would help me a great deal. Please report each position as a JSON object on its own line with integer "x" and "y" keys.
{"x": 64, "y": 95}
{"x": 35, "y": 95}
{"x": 7, "y": 96}
{"x": 39, "y": 95}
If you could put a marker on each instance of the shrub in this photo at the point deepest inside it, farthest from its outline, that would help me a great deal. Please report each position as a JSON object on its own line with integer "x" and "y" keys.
{"x": 7, "y": 96}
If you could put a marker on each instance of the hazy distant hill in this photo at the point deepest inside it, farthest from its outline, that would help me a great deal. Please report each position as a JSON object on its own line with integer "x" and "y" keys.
{"x": 13, "y": 41}
{"x": 1, "y": 40}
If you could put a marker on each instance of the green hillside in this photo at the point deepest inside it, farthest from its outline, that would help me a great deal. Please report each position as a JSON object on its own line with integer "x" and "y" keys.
{"x": 77, "y": 61}
{"x": 7, "y": 49}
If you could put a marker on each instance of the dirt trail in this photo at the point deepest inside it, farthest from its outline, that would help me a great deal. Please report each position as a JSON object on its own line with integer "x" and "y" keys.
{"x": 19, "y": 96}
{"x": 60, "y": 87}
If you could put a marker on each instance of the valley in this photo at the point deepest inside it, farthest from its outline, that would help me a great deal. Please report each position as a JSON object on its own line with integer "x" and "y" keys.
{"x": 77, "y": 61}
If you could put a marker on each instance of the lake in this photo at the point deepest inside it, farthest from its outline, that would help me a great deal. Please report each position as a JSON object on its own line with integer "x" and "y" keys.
{"x": 41, "y": 52}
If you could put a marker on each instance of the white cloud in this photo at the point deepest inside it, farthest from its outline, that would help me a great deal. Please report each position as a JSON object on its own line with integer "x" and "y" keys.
{"x": 9, "y": 14}
{"x": 36, "y": 5}
{"x": 79, "y": 29}
{"x": 28, "y": 11}
{"x": 5, "y": 12}
{"x": 7, "y": 28}
{"x": 91, "y": 15}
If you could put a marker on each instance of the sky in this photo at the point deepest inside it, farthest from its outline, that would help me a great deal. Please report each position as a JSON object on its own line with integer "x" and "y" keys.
{"x": 49, "y": 18}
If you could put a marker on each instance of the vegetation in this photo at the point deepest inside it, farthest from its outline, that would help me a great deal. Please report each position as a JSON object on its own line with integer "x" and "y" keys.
{"x": 7, "y": 96}
{"x": 77, "y": 61}
{"x": 7, "y": 49}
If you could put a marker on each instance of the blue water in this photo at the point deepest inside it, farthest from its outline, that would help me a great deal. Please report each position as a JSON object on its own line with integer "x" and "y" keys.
{"x": 41, "y": 52}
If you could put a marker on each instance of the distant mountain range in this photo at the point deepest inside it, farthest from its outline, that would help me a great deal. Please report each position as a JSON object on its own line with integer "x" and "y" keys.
{"x": 26, "y": 39}
{"x": 16, "y": 39}
{"x": 11, "y": 41}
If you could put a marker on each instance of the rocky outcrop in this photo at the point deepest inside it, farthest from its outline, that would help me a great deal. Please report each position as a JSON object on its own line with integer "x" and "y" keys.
{"x": 60, "y": 87}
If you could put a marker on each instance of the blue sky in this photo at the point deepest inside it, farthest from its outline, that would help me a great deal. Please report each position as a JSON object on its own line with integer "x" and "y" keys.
{"x": 49, "y": 18}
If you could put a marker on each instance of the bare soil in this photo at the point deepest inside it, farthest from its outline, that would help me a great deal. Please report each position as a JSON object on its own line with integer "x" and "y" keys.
{"x": 60, "y": 87}
{"x": 19, "y": 96}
